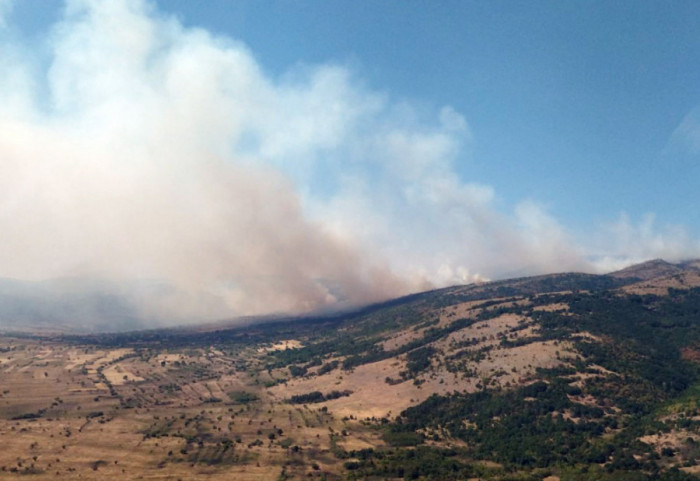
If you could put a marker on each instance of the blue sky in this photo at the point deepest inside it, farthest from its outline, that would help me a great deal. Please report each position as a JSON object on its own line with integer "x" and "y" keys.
{"x": 571, "y": 103}
{"x": 383, "y": 147}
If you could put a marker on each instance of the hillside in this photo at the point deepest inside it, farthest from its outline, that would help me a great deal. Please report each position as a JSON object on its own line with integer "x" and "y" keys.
{"x": 565, "y": 376}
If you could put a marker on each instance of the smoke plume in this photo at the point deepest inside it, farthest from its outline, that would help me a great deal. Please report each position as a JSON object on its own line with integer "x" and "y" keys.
{"x": 159, "y": 168}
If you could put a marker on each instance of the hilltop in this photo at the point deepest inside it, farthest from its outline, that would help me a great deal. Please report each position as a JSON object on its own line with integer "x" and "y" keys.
{"x": 563, "y": 376}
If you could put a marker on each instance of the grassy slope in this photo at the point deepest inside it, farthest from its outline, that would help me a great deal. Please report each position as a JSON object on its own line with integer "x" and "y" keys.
{"x": 555, "y": 375}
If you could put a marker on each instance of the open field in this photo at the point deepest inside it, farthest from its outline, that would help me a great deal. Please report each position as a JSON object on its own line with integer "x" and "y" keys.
{"x": 87, "y": 413}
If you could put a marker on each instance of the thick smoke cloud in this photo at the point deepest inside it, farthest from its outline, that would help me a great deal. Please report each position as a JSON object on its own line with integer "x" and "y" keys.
{"x": 160, "y": 165}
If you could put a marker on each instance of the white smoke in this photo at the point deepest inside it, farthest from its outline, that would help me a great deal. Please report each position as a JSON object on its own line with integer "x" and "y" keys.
{"x": 625, "y": 242}
{"x": 145, "y": 151}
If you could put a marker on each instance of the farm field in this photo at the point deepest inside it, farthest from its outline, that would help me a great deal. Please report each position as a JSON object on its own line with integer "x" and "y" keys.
{"x": 81, "y": 412}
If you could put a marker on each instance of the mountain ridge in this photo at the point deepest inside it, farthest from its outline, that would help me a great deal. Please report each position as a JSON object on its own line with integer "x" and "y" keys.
{"x": 16, "y": 317}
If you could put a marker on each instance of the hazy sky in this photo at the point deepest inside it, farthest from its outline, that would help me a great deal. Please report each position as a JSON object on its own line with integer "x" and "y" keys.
{"x": 275, "y": 156}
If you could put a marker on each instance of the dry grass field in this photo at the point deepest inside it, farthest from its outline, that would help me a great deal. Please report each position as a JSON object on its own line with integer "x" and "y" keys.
{"x": 73, "y": 412}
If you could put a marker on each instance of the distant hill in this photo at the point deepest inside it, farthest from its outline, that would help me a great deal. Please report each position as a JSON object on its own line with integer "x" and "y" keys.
{"x": 656, "y": 268}
{"x": 73, "y": 305}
